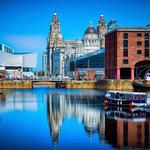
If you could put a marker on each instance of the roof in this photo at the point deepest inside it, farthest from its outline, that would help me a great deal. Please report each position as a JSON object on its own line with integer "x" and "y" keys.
{"x": 88, "y": 69}
{"x": 90, "y": 29}
{"x": 131, "y": 29}
{"x": 126, "y": 92}
{"x": 101, "y": 51}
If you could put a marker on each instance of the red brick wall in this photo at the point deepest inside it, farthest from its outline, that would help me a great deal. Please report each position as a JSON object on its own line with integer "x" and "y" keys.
{"x": 114, "y": 51}
{"x": 110, "y": 54}
{"x": 133, "y": 58}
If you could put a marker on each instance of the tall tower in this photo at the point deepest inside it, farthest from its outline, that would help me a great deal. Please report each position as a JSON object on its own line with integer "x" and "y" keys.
{"x": 102, "y": 30}
{"x": 54, "y": 40}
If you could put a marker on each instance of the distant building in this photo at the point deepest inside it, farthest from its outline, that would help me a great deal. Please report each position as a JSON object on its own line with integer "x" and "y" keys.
{"x": 58, "y": 62}
{"x": 44, "y": 63}
{"x": 5, "y": 48}
{"x": 127, "y": 53}
{"x": 18, "y": 65}
{"x": 92, "y": 41}
{"x": 89, "y": 66}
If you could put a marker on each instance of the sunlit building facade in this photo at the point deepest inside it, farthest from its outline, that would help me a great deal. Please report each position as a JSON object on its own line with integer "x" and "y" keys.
{"x": 127, "y": 52}
{"x": 92, "y": 40}
{"x": 18, "y": 65}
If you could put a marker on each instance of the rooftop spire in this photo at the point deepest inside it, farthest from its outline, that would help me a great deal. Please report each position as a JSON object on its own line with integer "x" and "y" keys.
{"x": 55, "y": 14}
{"x": 91, "y": 24}
{"x": 102, "y": 15}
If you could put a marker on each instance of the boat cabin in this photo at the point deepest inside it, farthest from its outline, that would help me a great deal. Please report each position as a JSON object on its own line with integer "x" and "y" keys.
{"x": 122, "y": 95}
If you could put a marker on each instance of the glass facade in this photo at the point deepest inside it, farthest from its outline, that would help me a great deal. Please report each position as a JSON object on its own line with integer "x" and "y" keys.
{"x": 93, "y": 61}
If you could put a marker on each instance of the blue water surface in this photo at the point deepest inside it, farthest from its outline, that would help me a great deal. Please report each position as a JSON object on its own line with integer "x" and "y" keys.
{"x": 49, "y": 118}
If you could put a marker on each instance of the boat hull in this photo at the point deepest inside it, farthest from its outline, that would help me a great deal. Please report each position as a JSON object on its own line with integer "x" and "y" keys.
{"x": 140, "y": 86}
{"x": 120, "y": 102}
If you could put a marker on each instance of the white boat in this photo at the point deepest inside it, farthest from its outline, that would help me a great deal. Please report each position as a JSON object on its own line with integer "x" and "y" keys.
{"x": 124, "y": 98}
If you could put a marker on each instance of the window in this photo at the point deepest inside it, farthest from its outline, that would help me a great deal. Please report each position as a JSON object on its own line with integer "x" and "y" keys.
{"x": 139, "y": 43}
{"x": 27, "y": 69}
{"x": 125, "y": 35}
{"x": 146, "y": 52}
{"x": 146, "y": 43}
{"x": 125, "y": 43}
{"x": 125, "y": 52}
{"x": 139, "y": 52}
{"x": 139, "y": 35}
{"x": 125, "y": 61}
{"x": 146, "y": 36}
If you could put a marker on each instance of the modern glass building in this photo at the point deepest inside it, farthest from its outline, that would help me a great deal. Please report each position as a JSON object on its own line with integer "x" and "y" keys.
{"x": 89, "y": 66}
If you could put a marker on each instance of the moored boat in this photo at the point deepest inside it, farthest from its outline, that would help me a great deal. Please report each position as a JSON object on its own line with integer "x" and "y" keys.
{"x": 123, "y": 98}
{"x": 142, "y": 86}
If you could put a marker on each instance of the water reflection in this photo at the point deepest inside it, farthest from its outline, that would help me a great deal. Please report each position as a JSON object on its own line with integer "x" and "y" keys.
{"x": 121, "y": 127}
{"x": 69, "y": 119}
{"x": 85, "y": 108}
{"x": 126, "y": 127}
{"x": 18, "y": 101}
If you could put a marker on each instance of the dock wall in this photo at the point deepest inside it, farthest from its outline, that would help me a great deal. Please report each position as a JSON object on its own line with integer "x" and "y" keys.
{"x": 101, "y": 84}
{"x": 15, "y": 84}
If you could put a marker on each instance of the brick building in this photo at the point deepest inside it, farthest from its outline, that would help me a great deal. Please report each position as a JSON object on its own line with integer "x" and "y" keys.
{"x": 127, "y": 53}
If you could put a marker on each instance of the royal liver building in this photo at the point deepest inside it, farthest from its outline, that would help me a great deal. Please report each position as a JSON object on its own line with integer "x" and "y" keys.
{"x": 60, "y": 51}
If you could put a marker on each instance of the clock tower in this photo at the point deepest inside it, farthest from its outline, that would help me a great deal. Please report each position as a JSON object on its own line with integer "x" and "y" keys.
{"x": 54, "y": 41}
{"x": 55, "y": 36}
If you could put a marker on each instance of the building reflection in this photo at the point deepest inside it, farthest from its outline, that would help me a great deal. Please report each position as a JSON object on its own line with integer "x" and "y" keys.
{"x": 18, "y": 101}
{"x": 85, "y": 108}
{"x": 120, "y": 127}
{"x": 127, "y": 127}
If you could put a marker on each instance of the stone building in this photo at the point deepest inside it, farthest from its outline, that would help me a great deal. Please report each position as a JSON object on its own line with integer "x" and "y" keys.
{"x": 92, "y": 41}
{"x": 44, "y": 63}
{"x": 54, "y": 40}
{"x": 127, "y": 54}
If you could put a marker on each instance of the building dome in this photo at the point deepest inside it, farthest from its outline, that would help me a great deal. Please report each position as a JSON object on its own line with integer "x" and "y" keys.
{"x": 90, "y": 29}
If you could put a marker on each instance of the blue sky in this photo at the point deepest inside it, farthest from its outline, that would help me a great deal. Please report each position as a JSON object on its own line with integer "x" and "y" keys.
{"x": 25, "y": 24}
